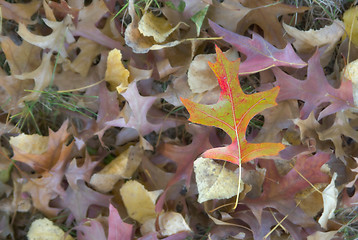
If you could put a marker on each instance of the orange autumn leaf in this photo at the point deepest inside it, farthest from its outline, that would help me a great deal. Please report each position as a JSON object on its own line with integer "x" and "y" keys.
{"x": 232, "y": 113}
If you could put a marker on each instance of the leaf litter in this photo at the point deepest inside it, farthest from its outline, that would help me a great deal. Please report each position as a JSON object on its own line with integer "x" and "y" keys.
{"x": 178, "y": 120}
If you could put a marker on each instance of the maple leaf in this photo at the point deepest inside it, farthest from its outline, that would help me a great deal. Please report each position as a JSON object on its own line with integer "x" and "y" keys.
{"x": 261, "y": 55}
{"x": 314, "y": 91}
{"x": 232, "y": 113}
{"x": 279, "y": 191}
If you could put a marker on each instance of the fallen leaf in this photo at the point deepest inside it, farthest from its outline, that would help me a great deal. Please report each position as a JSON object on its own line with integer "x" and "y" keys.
{"x": 84, "y": 60}
{"x": 55, "y": 41}
{"x": 330, "y": 199}
{"x": 30, "y": 144}
{"x": 215, "y": 181}
{"x": 350, "y": 73}
{"x": 21, "y": 59}
{"x": 269, "y": 12}
{"x": 227, "y": 14}
{"x": 232, "y": 114}
{"x": 351, "y": 25}
{"x": 79, "y": 199}
{"x": 122, "y": 167}
{"x": 260, "y": 54}
{"x": 340, "y": 127}
{"x": 116, "y": 74}
{"x": 90, "y": 229}
{"x": 307, "y": 41}
{"x": 139, "y": 202}
{"x": 184, "y": 157}
{"x": 43, "y": 154}
{"x": 279, "y": 191}
{"x": 170, "y": 223}
{"x": 42, "y": 77}
{"x": 20, "y": 12}
{"x": 157, "y": 27}
{"x": 200, "y": 77}
{"x": 314, "y": 91}
{"x": 42, "y": 229}
{"x": 117, "y": 229}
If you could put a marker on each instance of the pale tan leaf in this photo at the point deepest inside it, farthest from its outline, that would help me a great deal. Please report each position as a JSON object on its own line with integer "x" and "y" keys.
{"x": 89, "y": 51}
{"x": 307, "y": 41}
{"x": 200, "y": 76}
{"x": 169, "y": 223}
{"x": 330, "y": 199}
{"x": 41, "y": 76}
{"x": 20, "y": 12}
{"x": 55, "y": 41}
{"x": 214, "y": 180}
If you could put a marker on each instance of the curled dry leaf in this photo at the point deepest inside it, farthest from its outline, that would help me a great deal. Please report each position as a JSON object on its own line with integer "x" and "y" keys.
{"x": 169, "y": 223}
{"x": 123, "y": 166}
{"x": 41, "y": 76}
{"x": 214, "y": 180}
{"x": 140, "y": 43}
{"x": 42, "y": 229}
{"x": 307, "y": 41}
{"x": 116, "y": 74}
{"x": 55, "y": 41}
{"x": 139, "y": 202}
{"x": 330, "y": 199}
{"x": 157, "y": 27}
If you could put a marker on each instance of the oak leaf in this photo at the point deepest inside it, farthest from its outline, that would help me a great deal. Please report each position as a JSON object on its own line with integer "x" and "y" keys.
{"x": 307, "y": 41}
{"x": 314, "y": 91}
{"x": 260, "y": 54}
{"x": 55, "y": 41}
{"x": 117, "y": 229}
{"x": 279, "y": 191}
{"x": 48, "y": 153}
{"x": 232, "y": 113}
{"x": 268, "y": 11}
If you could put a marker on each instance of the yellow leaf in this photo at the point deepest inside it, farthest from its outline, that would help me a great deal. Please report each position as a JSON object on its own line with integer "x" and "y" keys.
{"x": 157, "y": 27}
{"x": 44, "y": 229}
{"x": 351, "y": 24}
{"x": 34, "y": 144}
{"x": 123, "y": 166}
{"x": 116, "y": 74}
{"x": 139, "y": 202}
